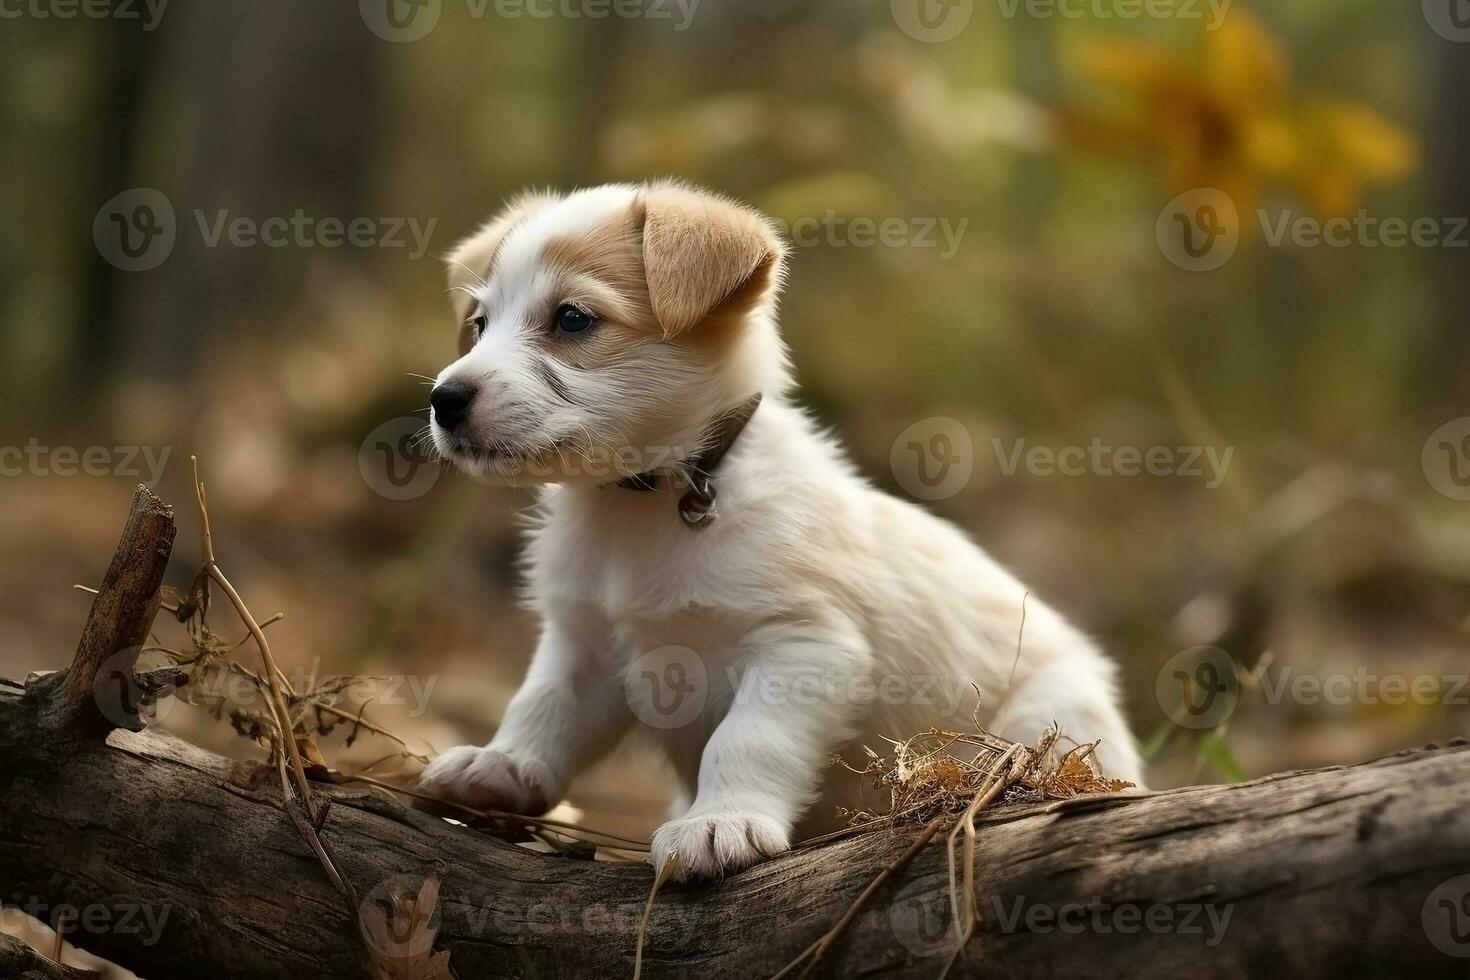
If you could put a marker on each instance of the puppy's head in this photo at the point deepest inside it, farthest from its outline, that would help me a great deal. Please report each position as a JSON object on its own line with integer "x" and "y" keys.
{"x": 601, "y": 332}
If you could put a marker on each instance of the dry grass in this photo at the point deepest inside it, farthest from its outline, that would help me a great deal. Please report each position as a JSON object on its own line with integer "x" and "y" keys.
{"x": 943, "y": 779}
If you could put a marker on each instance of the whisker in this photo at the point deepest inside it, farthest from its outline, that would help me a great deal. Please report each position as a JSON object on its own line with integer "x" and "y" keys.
{"x": 478, "y": 278}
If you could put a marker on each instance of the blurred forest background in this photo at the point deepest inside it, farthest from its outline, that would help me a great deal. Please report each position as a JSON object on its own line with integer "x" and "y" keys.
{"x": 1059, "y": 318}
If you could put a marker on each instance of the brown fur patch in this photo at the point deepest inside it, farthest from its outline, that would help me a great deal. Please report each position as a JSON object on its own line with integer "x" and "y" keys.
{"x": 473, "y": 259}
{"x": 714, "y": 260}
{"x": 613, "y": 255}
{"x": 679, "y": 265}
{"x": 700, "y": 254}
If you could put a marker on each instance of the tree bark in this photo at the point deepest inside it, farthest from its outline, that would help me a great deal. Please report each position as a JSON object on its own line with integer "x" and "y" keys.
{"x": 162, "y": 857}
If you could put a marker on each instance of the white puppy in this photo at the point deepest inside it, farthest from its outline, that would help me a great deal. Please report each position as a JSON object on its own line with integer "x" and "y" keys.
{"x": 707, "y": 566}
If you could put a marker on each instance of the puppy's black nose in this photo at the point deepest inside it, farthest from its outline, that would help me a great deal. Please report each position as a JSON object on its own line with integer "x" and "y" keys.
{"x": 451, "y": 402}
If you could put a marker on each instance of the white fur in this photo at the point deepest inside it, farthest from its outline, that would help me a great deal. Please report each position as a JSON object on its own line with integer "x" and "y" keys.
{"x": 825, "y": 614}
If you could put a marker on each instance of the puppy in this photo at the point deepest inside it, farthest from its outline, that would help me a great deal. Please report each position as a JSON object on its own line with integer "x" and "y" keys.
{"x": 706, "y": 565}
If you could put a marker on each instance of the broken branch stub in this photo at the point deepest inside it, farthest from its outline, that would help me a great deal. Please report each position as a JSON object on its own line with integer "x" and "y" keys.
{"x": 100, "y": 691}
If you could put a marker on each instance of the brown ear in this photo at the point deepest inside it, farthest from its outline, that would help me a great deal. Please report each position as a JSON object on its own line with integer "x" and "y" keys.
{"x": 472, "y": 262}
{"x": 701, "y": 252}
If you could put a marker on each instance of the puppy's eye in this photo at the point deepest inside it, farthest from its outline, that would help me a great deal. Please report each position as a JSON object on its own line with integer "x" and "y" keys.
{"x": 569, "y": 319}
{"x": 477, "y": 326}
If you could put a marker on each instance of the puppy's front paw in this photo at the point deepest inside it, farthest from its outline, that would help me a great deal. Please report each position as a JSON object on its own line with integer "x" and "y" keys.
{"x": 719, "y": 842}
{"x": 488, "y": 779}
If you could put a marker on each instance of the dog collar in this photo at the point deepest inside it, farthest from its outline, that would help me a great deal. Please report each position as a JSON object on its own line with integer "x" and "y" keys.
{"x": 697, "y": 505}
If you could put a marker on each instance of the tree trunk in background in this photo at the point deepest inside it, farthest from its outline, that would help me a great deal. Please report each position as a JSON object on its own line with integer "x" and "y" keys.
{"x": 1448, "y": 147}
{"x": 126, "y": 62}
{"x": 260, "y": 108}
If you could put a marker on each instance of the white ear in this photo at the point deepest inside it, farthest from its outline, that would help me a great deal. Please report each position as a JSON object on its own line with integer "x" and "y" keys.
{"x": 701, "y": 252}
{"x": 472, "y": 261}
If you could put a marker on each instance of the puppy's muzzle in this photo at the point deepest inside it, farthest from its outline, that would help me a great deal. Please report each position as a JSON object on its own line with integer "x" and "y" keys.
{"x": 451, "y": 402}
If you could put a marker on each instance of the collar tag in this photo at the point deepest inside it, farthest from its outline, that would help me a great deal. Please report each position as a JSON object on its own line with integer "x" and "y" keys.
{"x": 697, "y": 506}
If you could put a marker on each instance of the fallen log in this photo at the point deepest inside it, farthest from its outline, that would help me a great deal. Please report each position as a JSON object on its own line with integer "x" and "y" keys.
{"x": 162, "y": 857}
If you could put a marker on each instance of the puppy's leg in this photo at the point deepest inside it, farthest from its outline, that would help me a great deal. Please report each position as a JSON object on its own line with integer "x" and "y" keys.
{"x": 762, "y": 765}
{"x": 569, "y": 708}
{"x": 1076, "y": 693}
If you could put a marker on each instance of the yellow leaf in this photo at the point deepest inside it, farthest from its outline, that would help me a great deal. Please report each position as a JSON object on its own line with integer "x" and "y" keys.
{"x": 1371, "y": 146}
{"x": 1244, "y": 63}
